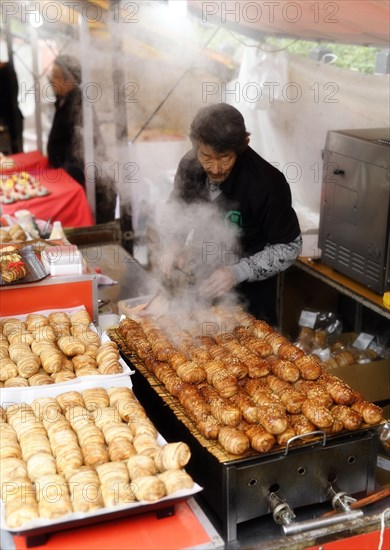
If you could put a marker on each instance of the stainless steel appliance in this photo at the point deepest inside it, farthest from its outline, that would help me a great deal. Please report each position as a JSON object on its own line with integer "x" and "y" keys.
{"x": 354, "y": 230}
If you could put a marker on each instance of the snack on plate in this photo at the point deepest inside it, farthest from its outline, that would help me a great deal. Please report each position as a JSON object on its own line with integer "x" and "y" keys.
{"x": 12, "y": 234}
{"x": 20, "y": 186}
{"x": 12, "y": 267}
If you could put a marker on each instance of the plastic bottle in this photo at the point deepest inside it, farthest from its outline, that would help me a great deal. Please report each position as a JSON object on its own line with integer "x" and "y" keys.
{"x": 57, "y": 231}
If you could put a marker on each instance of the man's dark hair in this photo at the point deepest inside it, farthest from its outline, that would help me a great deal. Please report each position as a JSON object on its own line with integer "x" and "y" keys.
{"x": 70, "y": 66}
{"x": 220, "y": 126}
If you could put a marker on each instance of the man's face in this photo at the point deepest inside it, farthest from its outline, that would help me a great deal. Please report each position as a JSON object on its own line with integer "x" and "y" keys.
{"x": 60, "y": 84}
{"x": 216, "y": 165}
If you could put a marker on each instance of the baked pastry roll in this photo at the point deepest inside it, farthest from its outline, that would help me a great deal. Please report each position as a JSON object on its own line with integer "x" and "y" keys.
{"x": 106, "y": 417}
{"x": 146, "y": 444}
{"x": 16, "y": 381}
{"x": 233, "y": 364}
{"x": 233, "y": 440}
{"x": 140, "y": 466}
{"x": 41, "y": 378}
{"x": 63, "y": 376}
{"x": 21, "y": 336}
{"x": 115, "y": 484}
{"x": 87, "y": 336}
{"x": 32, "y": 443}
{"x": 286, "y": 370}
{"x": 11, "y": 469}
{"x": 95, "y": 399}
{"x": 120, "y": 449}
{"x": 3, "y": 416}
{"x": 35, "y": 320}
{"x": 46, "y": 409}
{"x": 284, "y": 437}
{"x": 218, "y": 376}
{"x": 291, "y": 397}
{"x": 314, "y": 390}
{"x": 9, "y": 447}
{"x": 8, "y": 369}
{"x": 13, "y": 325}
{"x": 317, "y": 414}
{"x": 301, "y": 424}
{"x": 149, "y": 488}
{"x": 225, "y": 411}
{"x": 53, "y": 496}
{"x": 83, "y": 360}
{"x": 350, "y": 418}
{"x": 260, "y": 328}
{"x": 87, "y": 371}
{"x": 246, "y": 338}
{"x": 309, "y": 367}
{"x": 176, "y": 480}
{"x": 85, "y": 491}
{"x": 44, "y": 333}
{"x": 142, "y": 425}
{"x": 260, "y": 440}
{"x": 22, "y": 508}
{"x": 51, "y": 358}
{"x": 80, "y": 317}
{"x": 172, "y": 456}
{"x": 247, "y": 406}
{"x": 70, "y": 346}
{"x": 41, "y": 464}
{"x": 341, "y": 393}
{"x": 70, "y": 399}
{"x": 289, "y": 352}
{"x": 372, "y": 414}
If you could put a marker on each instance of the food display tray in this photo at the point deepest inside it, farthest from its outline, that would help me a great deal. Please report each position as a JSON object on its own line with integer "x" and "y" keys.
{"x": 237, "y": 487}
{"x": 38, "y": 530}
{"x": 15, "y": 392}
{"x": 34, "y": 267}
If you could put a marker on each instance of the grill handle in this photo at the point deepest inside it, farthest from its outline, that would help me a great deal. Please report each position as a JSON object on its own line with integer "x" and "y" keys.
{"x": 319, "y": 523}
{"x": 310, "y": 434}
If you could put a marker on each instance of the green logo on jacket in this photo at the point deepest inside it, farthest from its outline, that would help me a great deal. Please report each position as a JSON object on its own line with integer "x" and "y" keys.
{"x": 234, "y": 217}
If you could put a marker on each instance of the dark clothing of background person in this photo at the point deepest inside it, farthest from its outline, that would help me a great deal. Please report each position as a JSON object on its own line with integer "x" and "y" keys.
{"x": 64, "y": 146}
{"x": 259, "y": 197}
{"x": 10, "y": 114}
{"x": 65, "y": 150}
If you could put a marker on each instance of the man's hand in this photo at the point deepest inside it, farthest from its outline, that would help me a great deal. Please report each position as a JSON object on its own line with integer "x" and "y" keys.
{"x": 171, "y": 257}
{"x": 219, "y": 282}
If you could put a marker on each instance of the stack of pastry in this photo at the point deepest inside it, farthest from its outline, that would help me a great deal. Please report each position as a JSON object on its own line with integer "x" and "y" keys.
{"x": 12, "y": 267}
{"x": 14, "y": 233}
{"x": 82, "y": 451}
{"x": 52, "y": 349}
{"x": 258, "y": 389}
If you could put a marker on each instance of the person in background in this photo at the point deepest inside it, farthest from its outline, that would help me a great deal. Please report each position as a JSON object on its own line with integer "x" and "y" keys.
{"x": 223, "y": 169}
{"x": 65, "y": 143}
{"x": 10, "y": 114}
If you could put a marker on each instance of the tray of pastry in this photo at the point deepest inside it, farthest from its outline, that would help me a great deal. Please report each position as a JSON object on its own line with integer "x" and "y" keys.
{"x": 55, "y": 347}
{"x": 246, "y": 391}
{"x": 82, "y": 456}
{"x": 20, "y": 265}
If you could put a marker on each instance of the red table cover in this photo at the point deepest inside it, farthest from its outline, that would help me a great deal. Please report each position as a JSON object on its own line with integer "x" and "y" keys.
{"x": 67, "y": 201}
{"x": 25, "y": 162}
{"x": 144, "y": 531}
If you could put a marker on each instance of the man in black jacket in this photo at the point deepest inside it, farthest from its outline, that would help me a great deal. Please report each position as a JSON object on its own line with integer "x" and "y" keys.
{"x": 65, "y": 144}
{"x": 250, "y": 193}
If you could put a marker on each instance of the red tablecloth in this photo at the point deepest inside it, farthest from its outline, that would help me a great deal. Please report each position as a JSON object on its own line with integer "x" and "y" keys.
{"x": 67, "y": 201}
{"x": 25, "y": 162}
{"x": 182, "y": 530}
